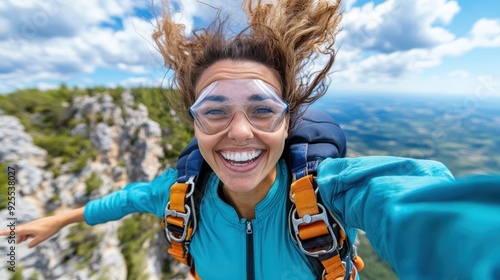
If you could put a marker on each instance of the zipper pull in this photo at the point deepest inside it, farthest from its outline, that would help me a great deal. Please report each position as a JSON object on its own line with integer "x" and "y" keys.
{"x": 249, "y": 227}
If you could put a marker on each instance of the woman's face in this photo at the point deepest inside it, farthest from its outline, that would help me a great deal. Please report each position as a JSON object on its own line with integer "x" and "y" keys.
{"x": 242, "y": 156}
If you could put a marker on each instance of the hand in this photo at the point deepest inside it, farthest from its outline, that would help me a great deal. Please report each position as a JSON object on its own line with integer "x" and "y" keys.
{"x": 40, "y": 230}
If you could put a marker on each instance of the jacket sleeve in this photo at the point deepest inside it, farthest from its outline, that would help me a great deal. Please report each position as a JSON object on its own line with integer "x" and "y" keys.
{"x": 425, "y": 224}
{"x": 140, "y": 197}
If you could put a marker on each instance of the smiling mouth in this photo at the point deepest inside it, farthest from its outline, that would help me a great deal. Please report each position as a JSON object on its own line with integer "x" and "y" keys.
{"x": 241, "y": 158}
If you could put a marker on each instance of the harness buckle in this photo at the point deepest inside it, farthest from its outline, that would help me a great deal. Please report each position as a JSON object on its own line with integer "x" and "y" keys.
{"x": 186, "y": 217}
{"x": 309, "y": 219}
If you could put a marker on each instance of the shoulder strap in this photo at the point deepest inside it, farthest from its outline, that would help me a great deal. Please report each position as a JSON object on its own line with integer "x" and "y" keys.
{"x": 189, "y": 162}
{"x": 180, "y": 220}
{"x": 317, "y": 233}
{"x": 315, "y": 137}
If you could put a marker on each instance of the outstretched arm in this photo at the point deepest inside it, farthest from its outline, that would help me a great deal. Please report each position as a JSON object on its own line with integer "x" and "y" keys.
{"x": 42, "y": 229}
{"x": 416, "y": 217}
{"x": 134, "y": 198}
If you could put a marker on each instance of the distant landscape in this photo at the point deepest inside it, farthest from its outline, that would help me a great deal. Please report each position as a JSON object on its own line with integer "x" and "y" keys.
{"x": 460, "y": 131}
{"x": 85, "y": 143}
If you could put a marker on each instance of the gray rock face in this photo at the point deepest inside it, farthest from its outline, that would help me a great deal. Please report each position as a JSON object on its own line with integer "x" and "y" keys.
{"x": 29, "y": 177}
{"x": 28, "y": 161}
{"x": 128, "y": 145}
{"x": 102, "y": 139}
{"x": 145, "y": 151}
{"x": 80, "y": 129}
{"x": 16, "y": 144}
{"x": 123, "y": 134}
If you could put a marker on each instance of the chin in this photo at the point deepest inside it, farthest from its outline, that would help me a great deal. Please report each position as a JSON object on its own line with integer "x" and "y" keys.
{"x": 239, "y": 186}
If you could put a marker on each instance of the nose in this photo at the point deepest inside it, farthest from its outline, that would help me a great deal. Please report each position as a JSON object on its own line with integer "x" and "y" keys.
{"x": 240, "y": 128}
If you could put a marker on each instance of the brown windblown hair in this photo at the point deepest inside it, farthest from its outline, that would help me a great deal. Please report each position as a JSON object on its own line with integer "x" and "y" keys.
{"x": 294, "y": 38}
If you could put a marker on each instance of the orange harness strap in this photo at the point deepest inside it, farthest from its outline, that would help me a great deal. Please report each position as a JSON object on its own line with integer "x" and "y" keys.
{"x": 179, "y": 218}
{"x": 304, "y": 197}
{"x": 334, "y": 269}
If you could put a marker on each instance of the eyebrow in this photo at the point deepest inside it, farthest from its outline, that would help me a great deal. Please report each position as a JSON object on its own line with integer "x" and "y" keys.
{"x": 215, "y": 98}
{"x": 222, "y": 98}
{"x": 258, "y": 97}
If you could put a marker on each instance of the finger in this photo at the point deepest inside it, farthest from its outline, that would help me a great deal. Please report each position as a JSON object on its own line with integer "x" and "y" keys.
{"x": 35, "y": 241}
{"x": 22, "y": 238}
{"x": 4, "y": 232}
{"x": 23, "y": 232}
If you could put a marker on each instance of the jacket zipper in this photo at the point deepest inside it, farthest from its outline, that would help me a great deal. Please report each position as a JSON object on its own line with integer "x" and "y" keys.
{"x": 250, "y": 253}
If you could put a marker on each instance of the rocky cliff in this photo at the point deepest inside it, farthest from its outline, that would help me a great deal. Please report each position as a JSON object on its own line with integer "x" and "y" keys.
{"x": 117, "y": 143}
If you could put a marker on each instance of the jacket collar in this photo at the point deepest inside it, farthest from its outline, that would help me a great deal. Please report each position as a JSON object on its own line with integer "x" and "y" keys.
{"x": 277, "y": 195}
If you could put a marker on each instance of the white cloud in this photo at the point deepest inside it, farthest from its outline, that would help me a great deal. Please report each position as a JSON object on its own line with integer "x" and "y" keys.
{"x": 486, "y": 28}
{"x": 473, "y": 86}
{"x": 36, "y": 20}
{"x": 140, "y": 82}
{"x": 486, "y": 33}
{"x": 399, "y": 25}
{"x": 54, "y": 40}
{"x": 459, "y": 74}
{"x": 195, "y": 14}
{"x": 46, "y": 52}
{"x": 57, "y": 39}
{"x": 349, "y": 3}
{"x": 46, "y": 86}
{"x": 393, "y": 40}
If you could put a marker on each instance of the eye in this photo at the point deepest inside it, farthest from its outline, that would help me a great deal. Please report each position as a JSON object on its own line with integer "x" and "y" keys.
{"x": 263, "y": 112}
{"x": 214, "y": 112}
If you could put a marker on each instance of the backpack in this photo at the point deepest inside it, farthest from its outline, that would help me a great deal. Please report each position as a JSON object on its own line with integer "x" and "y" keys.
{"x": 316, "y": 231}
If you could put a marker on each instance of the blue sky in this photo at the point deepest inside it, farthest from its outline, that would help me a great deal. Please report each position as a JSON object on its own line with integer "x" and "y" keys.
{"x": 398, "y": 47}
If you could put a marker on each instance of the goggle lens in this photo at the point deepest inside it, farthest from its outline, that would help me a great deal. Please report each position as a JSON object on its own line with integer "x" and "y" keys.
{"x": 217, "y": 104}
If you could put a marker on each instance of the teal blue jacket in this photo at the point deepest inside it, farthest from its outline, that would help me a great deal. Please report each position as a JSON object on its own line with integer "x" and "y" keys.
{"x": 417, "y": 218}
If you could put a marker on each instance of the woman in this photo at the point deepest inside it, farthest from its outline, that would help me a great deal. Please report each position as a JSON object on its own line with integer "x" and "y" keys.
{"x": 243, "y": 94}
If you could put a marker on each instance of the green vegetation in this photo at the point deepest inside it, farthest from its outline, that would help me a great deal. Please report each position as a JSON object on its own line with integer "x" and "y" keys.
{"x": 3, "y": 186}
{"x": 176, "y": 133}
{"x": 40, "y": 111}
{"x": 134, "y": 232}
{"x": 83, "y": 242}
{"x": 17, "y": 275}
{"x": 45, "y": 115}
{"x": 64, "y": 146}
{"x": 94, "y": 182}
{"x": 34, "y": 276}
{"x": 375, "y": 268}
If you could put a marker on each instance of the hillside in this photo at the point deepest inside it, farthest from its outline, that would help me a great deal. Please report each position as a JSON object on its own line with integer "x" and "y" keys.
{"x": 69, "y": 146}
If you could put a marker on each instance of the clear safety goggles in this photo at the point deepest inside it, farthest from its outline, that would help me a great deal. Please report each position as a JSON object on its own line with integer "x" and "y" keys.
{"x": 217, "y": 104}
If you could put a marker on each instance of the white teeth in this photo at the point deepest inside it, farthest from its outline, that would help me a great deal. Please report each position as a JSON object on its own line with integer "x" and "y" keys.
{"x": 241, "y": 157}
{"x": 244, "y": 157}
